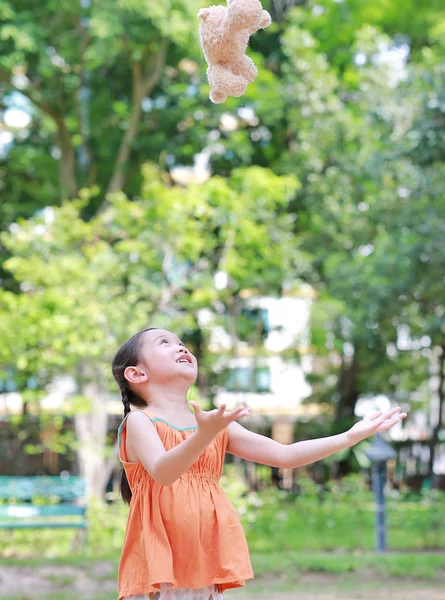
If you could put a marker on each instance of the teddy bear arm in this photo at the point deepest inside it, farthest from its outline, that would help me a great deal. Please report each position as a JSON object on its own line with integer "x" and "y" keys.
{"x": 245, "y": 67}
{"x": 265, "y": 21}
{"x": 243, "y": 14}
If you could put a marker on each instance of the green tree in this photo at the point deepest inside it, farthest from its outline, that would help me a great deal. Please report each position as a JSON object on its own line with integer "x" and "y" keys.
{"x": 359, "y": 139}
{"x": 88, "y": 286}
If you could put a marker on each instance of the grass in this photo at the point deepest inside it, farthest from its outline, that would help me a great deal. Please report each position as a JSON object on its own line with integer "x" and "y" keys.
{"x": 424, "y": 565}
{"x": 62, "y": 580}
{"x": 73, "y": 561}
{"x": 348, "y": 526}
{"x": 273, "y": 522}
{"x": 416, "y": 565}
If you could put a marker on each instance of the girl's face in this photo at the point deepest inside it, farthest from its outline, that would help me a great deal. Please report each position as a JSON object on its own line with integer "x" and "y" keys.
{"x": 166, "y": 357}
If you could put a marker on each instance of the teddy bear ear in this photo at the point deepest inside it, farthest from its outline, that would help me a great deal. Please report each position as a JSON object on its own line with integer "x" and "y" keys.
{"x": 203, "y": 13}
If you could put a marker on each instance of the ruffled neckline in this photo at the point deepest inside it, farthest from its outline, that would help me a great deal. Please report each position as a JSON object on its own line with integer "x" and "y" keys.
{"x": 171, "y": 424}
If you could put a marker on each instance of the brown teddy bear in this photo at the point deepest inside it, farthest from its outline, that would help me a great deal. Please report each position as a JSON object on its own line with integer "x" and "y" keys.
{"x": 224, "y": 33}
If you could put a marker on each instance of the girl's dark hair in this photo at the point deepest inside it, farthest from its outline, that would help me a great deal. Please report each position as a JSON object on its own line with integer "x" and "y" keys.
{"x": 128, "y": 355}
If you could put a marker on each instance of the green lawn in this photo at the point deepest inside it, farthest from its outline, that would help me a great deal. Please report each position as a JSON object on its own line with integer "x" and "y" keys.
{"x": 272, "y": 524}
{"x": 300, "y": 548}
{"x": 423, "y": 565}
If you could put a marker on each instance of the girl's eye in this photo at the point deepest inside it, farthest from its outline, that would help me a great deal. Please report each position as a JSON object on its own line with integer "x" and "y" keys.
{"x": 162, "y": 341}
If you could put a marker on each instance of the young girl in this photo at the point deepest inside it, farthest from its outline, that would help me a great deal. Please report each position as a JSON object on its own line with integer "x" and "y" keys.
{"x": 183, "y": 539}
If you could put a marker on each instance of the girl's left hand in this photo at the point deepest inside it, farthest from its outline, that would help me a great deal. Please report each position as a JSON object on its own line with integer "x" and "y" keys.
{"x": 376, "y": 423}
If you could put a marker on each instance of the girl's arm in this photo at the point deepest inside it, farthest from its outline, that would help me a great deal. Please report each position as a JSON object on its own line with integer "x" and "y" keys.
{"x": 261, "y": 449}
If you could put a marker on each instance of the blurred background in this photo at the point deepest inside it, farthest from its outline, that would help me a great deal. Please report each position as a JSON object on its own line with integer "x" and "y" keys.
{"x": 293, "y": 237}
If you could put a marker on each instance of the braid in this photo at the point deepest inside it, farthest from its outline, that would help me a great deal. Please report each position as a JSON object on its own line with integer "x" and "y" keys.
{"x": 128, "y": 395}
{"x": 125, "y": 486}
{"x": 129, "y": 354}
{"x": 125, "y": 400}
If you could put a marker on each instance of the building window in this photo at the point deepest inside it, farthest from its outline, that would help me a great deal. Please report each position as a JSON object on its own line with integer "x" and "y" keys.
{"x": 262, "y": 379}
{"x": 247, "y": 379}
{"x": 253, "y": 325}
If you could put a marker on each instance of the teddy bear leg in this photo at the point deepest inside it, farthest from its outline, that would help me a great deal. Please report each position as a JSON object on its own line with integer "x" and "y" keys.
{"x": 217, "y": 97}
{"x": 222, "y": 81}
{"x": 217, "y": 94}
{"x": 245, "y": 67}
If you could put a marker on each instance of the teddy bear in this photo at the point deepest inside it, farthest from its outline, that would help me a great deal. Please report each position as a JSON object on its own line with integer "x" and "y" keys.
{"x": 224, "y": 33}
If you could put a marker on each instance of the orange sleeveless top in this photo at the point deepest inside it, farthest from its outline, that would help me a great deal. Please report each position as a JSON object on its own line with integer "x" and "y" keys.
{"x": 188, "y": 533}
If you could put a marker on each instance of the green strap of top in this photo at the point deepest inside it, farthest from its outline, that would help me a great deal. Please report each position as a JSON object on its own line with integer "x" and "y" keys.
{"x": 121, "y": 426}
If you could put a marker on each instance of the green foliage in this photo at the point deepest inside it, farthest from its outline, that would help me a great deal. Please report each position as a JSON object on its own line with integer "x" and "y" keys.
{"x": 335, "y": 23}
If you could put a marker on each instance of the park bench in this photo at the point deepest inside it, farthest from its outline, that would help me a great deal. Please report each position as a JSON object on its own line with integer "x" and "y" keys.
{"x": 43, "y": 502}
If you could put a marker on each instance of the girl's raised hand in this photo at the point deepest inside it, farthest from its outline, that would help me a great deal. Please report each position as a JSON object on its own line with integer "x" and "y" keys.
{"x": 211, "y": 422}
{"x": 376, "y": 423}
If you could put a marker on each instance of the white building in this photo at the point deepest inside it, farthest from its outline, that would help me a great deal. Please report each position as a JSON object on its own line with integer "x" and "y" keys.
{"x": 263, "y": 379}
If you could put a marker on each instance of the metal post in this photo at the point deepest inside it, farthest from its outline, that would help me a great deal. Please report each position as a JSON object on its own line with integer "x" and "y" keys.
{"x": 378, "y": 483}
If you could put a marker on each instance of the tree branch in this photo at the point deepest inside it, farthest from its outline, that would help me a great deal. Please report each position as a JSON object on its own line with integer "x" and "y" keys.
{"x": 67, "y": 163}
{"x": 143, "y": 84}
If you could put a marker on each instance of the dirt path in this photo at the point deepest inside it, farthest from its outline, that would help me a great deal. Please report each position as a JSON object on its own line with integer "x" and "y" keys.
{"x": 421, "y": 594}
{"x": 98, "y": 582}
{"x": 34, "y": 582}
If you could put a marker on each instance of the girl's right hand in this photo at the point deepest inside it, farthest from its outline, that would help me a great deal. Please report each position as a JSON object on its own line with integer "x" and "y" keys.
{"x": 376, "y": 423}
{"x": 211, "y": 422}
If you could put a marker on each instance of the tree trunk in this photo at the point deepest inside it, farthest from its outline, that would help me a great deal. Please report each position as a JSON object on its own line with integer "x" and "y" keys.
{"x": 279, "y": 8}
{"x": 441, "y": 395}
{"x": 91, "y": 432}
{"x": 68, "y": 158}
{"x": 67, "y": 162}
{"x": 199, "y": 344}
{"x": 348, "y": 390}
{"x": 344, "y": 414}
